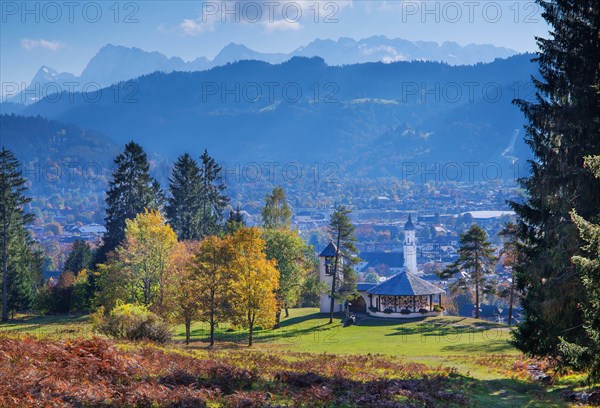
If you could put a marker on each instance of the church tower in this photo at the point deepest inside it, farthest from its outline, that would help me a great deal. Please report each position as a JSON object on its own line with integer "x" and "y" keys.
{"x": 410, "y": 247}
{"x": 326, "y": 271}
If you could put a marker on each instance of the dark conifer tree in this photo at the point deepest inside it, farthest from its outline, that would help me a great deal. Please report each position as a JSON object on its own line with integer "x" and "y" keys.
{"x": 183, "y": 207}
{"x": 564, "y": 126}
{"x": 81, "y": 257}
{"x": 213, "y": 200}
{"x": 341, "y": 231}
{"x": 17, "y": 282}
{"x": 235, "y": 221}
{"x": 476, "y": 257}
{"x": 130, "y": 191}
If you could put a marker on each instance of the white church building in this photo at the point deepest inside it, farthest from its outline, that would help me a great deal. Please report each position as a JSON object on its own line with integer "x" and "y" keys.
{"x": 403, "y": 296}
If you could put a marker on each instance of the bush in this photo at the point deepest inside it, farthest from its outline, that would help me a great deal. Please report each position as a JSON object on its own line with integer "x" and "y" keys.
{"x": 423, "y": 311}
{"x": 405, "y": 311}
{"x": 388, "y": 311}
{"x": 372, "y": 309}
{"x": 131, "y": 322}
{"x": 438, "y": 309}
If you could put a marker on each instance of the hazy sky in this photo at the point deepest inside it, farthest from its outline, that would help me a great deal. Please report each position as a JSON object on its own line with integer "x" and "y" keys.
{"x": 64, "y": 35}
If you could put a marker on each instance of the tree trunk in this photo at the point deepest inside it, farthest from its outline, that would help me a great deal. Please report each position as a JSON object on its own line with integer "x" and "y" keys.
{"x": 250, "y": 339}
{"x": 188, "y": 324}
{"x": 477, "y": 298}
{"x": 333, "y": 282}
{"x": 277, "y": 318}
{"x": 476, "y": 284}
{"x": 4, "y": 268}
{"x": 287, "y": 312}
{"x": 510, "y": 300}
{"x": 212, "y": 329}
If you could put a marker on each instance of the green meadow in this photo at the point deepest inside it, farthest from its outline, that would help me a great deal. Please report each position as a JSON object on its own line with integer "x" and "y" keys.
{"x": 493, "y": 372}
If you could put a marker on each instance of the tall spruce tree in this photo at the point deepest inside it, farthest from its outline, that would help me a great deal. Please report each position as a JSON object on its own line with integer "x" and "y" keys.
{"x": 17, "y": 282}
{"x": 183, "y": 208}
{"x": 213, "y": 200}
{"x": 130, "y": 191}
{"x": 564, "y": 126}
{"x": 341, "y": 231}
{"x": 587, "y": 357}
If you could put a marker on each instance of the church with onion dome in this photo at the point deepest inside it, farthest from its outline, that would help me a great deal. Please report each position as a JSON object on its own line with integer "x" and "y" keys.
{"x": 403, "y": 296}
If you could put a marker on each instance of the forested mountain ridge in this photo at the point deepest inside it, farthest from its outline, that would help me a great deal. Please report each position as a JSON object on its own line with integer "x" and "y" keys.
{"x": 374, "y": 116}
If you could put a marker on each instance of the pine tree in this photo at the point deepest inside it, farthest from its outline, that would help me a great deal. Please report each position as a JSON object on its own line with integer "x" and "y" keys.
{"x": 564, "y": 126}
{"x": 183, "y": 208}
{"x": 342, "y": 234}
{"x": 80, "y": 257}
{"x": 475, "y": 256}
{"x": 276, "y": 213}
{"x": 130, "y": 192}
{"x": 235, "y": 221}
{"x": 587, "y": 357}
{"x": 509, "y": 253}
{"x": 212, "y": 198}
{"x": 17, "y": 282}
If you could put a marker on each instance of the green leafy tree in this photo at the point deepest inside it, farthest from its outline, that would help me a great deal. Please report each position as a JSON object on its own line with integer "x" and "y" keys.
{"x": 587, "y": 357}
{"x": 17, "y": 283}
{"x": 183, "y": 208}
{"x": 130, "y": 192}
{"x": 213, "y": 200}
{"x": 293, "y": 261}
{"x": 341, "y": 231}
{"x": 476, "y": 257}
{"x": 136, "y": 272}
{"x": 563, "y": 127}
{"x": 276, "y": 213}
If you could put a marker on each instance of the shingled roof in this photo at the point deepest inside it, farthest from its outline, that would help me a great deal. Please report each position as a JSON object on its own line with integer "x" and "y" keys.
{"x": 405, "y": 284}
{"x": 329, "y": 250}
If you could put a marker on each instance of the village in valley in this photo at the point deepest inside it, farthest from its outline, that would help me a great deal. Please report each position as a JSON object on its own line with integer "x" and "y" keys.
{"x": 303, "y": 204}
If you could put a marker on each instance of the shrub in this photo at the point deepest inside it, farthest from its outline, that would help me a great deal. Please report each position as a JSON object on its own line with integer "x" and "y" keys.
{"x": 372, "y": 309}
{"x": 388, "y": 311}
{"x": 131, "y": 322}
{"x": 423, "y": 311}
{"x": 405, "y": 311}
{"x": 438, "y": 308}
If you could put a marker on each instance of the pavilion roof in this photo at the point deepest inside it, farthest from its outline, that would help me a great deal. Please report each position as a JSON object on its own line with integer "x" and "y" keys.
{"x": 405, "y": 284}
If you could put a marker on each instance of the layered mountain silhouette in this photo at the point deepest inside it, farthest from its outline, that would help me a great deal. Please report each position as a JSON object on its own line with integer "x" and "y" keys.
{"x": 114, "y": 63}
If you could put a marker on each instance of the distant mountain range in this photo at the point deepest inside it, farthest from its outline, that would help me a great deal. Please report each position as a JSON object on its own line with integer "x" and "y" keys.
{"x": 113, "y": 63}
{"x": 370, "y": 119}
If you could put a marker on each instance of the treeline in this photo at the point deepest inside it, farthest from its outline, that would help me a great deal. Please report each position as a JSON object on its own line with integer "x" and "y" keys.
{"x": 173, "y": 254}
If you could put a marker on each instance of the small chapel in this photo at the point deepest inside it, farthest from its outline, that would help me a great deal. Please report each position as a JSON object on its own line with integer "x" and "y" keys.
{"x": 403, "y": 296}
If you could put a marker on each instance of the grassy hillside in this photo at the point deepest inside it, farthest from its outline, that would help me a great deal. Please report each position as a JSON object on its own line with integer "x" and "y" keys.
{"x": 471, "y": 358}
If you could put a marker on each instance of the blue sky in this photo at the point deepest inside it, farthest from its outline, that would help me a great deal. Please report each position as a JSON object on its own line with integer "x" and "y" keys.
{"x": 65, "y": 35}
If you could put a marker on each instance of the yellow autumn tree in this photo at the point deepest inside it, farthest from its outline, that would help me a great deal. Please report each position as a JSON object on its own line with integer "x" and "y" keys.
{"x": 254, "y": 280}
{"x": 181, "y": 300}
{"x": 145, "y": 254}
{"x": 212, "y": 280}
